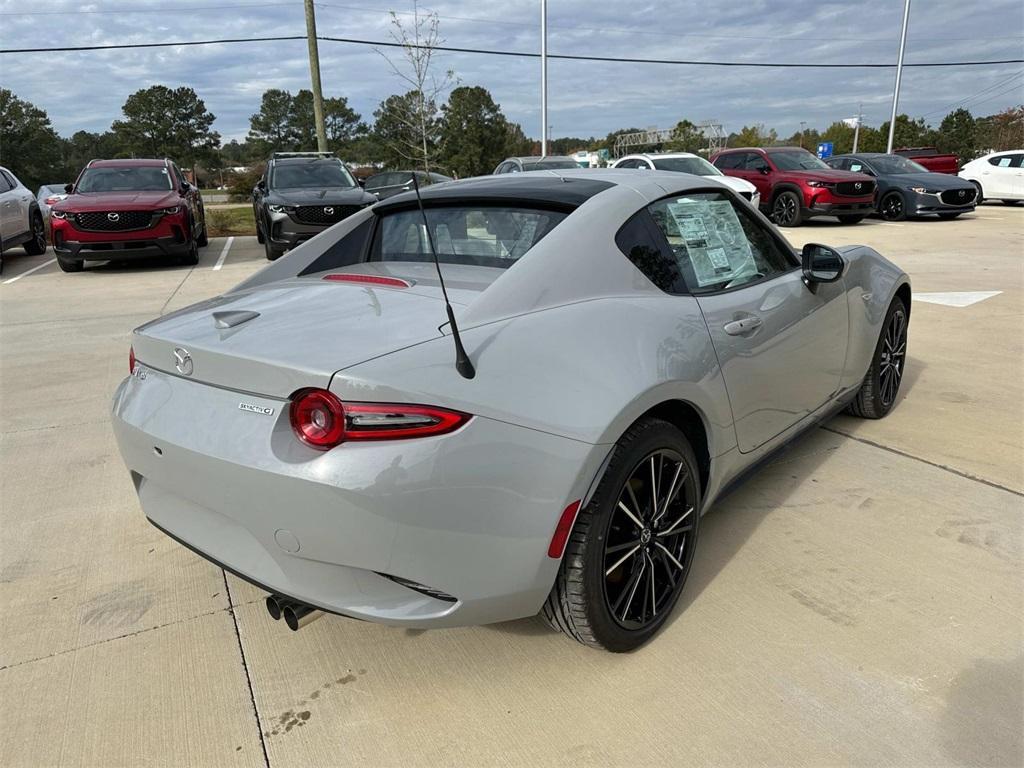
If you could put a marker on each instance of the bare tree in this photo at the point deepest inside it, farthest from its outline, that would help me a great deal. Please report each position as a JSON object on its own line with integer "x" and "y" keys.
{"x": 419, "y": 113}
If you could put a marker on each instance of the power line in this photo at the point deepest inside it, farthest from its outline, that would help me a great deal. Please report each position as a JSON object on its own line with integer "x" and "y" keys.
{"x": 177, "y": 9}
{"x": 973, "y": 96}
{"x": 517, "y": 54}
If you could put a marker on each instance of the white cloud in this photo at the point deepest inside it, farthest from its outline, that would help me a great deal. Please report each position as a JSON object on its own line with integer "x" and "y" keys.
{"x": 85, "y": 90}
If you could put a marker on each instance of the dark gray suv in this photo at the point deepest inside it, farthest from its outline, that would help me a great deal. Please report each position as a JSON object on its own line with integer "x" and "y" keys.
{"x": 300, "y": 195}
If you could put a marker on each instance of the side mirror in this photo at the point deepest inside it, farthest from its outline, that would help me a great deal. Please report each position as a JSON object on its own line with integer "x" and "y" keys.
{"x": 69, "y": 188}
{"x": 261, "y": 185}
{"x": 765, "y": 170}
{"x": 821, "y": 264}
{"x": 184, "y": 187}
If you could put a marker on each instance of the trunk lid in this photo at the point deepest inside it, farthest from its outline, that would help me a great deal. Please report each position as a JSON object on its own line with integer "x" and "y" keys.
{"x": 297, "y": 333}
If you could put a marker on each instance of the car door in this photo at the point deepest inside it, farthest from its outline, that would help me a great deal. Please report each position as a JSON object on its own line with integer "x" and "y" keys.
{"x": 8, "y": 208}
{"x": 998, "y": 178}
{"x": 781, "y": 345}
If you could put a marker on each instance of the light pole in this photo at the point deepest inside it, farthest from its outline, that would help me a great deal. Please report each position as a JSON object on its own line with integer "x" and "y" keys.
{"x": 314, "y": 72}
{"x": 856, "y": 128}
{"x": 899, "y": 75}
{"x": 803, "y": 130}
{"x": 543, "y": 77}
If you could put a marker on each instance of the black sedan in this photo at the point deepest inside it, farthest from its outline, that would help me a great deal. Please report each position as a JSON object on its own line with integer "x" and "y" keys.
{"x": 908, "y": 189}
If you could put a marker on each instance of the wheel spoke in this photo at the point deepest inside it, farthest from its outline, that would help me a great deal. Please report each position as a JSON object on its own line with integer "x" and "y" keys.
{"x": 671, "y": 493}
{"x": 654, "y": 490}
{"x": 668, "y": 570}
{"x": 671, "y": 557}
{"x": 622, "y": 559}
{"x": 635, "y": 582}
{"x": 630, "y": 515}
{"x": 620, "y": 547}
{"x": 654, "y": 599}
{"x": 672, "y": 528}
{"x": 632, "y": 496}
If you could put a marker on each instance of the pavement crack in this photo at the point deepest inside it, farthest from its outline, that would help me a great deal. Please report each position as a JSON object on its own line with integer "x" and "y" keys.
{"x": 245, "y": 668}
{"x": 944, "y": 467}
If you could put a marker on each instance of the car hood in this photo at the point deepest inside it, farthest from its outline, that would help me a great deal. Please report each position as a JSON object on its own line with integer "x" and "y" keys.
{"x": 345, "y": 196}
{"x": 831, "y": 175}
{"x": 122, "y": 201}
{"x": 939, "y": 181}
{"x": 298, "y": 332}
{"x": 734, "y": 183}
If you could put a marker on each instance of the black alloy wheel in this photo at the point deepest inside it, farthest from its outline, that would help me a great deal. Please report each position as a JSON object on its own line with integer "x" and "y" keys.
{"x": 881, "y": 385}
{"x": 892, "y": 207}
{"x": 786, "y": 209}
{"x": 632, "y": 546}
{"x": 648, "y": 546}
{"x": 36, "y": 246}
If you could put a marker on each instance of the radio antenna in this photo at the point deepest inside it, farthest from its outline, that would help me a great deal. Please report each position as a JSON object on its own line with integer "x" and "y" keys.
{"x": 462, "y": 362}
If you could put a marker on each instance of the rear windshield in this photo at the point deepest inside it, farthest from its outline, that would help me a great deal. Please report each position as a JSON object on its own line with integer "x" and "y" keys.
{"x": 549, "y": 165}
{"x": 698, "y": 166}
{"x": 153, "y": 178}
{"x": 485, "y": 236}
{"x": 314, "y": 174}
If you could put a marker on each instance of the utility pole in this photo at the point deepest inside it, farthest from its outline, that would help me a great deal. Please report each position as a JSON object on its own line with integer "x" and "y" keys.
{"x": 899, "y": 75}
{"x": 856, "y": 128}
{"x": 543, "y": 77}
{"x": 314, "y": 73}
{"x": 803, "y": 131}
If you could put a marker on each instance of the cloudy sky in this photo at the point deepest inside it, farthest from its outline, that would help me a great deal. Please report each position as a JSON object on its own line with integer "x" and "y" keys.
{"x": 85, "y": 90}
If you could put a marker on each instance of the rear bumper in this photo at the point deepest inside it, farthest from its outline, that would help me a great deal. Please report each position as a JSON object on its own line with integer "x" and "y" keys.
{"x": 469, "y": 514}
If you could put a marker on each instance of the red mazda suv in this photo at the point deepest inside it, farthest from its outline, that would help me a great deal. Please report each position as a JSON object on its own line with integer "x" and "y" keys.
{"x": 128, "y": 209}
{"x": 795, "y": 185}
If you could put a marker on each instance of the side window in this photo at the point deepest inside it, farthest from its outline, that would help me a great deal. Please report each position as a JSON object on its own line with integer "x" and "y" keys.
{"x": 755, "y": 162}
{"x": 1002, "y": 161}
{"x": 644, "y": 165}
{"x": 627, "y": 164}
{"x": 729, "y": 161}
{"x": 842, "y": 163}
{"x": 637, "y": 240}
{"x": 5, "y": 186}
{"x": 1016, "y": 161}
{"x": 715, "y": 245}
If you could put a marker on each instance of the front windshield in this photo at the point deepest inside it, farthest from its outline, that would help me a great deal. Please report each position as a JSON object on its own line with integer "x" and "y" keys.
{"x": 313, "y": 174}
{"x": 894, "y": 164}
{"x": 797, "y": 161}
{"x": 153, "y": 178}
{"x": 548, "y": 165}
{"x": 698, "y": 166}
{"x": 479, "y": 235}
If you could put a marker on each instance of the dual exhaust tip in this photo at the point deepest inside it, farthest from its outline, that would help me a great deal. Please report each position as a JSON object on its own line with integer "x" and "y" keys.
{"x": 295, "y": 614}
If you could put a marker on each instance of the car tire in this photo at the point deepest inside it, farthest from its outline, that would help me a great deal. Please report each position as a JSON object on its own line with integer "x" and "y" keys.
{"x": 36, "y": 246}
{"x": 850, "y": 219}
{"x": 596, "y": 604}
{"x": 203, "y": 240}
{"x": 70, "y": 265}
{"x": 981, "y": 196}
{"x": 949, "y": 216}
{"x": 878, "y": 392}
{"x": 273, "y": 254}
{"x": 191, "y": 258}
{"x": 893, "y": 207}
{"x": 786, "y": 209}
{"x": 1011, "y": 202}
{"x": 259, "y": 232}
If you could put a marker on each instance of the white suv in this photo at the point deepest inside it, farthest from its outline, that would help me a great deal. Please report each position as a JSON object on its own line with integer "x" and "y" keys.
{"x": 21, "y": 223}
{"x": 998, "y": 176}
{"x": 686, "y": 162}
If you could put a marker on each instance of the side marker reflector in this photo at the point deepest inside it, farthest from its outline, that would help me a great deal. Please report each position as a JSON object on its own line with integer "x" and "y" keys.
{"x": 563, "y": 529}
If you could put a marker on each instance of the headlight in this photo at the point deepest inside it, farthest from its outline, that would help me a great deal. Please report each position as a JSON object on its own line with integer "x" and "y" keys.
{"x": 280, "y": 208}
{"x": 61, "y": 214}
{"x": 755, "y": 199}
{"x": 924, "y": 191}
{"x": 169, "y": 211}
{"x": 818, "y": 184}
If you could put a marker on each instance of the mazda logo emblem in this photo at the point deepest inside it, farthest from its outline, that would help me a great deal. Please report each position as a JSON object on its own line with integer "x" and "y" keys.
{"x": 962, "y": 193}
{"x": 328, "y": 211}
{"x": 857, "y": 185}
{"x": 183, "y": 361}
{"x": 113, "y": 216}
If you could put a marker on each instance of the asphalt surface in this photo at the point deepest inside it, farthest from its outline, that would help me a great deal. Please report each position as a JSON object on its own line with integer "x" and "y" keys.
{"x": 857, "y": 602}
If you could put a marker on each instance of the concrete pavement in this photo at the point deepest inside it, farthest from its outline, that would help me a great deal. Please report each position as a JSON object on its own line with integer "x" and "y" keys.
{"x": 859, "y": 601}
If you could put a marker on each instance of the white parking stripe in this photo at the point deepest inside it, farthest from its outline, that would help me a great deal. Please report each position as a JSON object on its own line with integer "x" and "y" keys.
{"x": 29, "y": 271}
{"x": 223, "y": 254}
{"x": 888, "y": 224}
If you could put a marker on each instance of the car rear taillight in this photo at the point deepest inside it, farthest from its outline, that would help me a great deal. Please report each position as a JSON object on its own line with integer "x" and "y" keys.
{"x": 392, "y": 282}
{"x": 322, "y": 421}
{"x": 131, "y": 360}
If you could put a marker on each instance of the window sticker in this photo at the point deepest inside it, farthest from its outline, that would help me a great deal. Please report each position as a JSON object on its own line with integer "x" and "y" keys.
{"x": 715, "y": 241}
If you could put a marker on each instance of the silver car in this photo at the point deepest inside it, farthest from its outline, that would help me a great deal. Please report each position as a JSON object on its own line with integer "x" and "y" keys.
{"x": 21, "y": 222}
{"x": 635, "y": 342}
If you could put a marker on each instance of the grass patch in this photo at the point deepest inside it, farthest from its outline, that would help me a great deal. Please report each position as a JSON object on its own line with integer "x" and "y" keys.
{"x": 224, "y": 222}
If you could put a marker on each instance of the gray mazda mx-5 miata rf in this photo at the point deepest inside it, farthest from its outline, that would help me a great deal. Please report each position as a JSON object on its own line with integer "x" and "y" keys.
{"x": 633, "y": 343}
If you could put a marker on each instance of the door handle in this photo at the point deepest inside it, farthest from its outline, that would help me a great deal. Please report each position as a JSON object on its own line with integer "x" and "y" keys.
{"x": 740, "y": 327}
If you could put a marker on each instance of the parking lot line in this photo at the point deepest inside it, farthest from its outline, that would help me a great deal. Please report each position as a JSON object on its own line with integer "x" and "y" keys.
{"x": 888, "y": 224}
{"x": 223, "y": 254}
{"x": 29, "y": 271}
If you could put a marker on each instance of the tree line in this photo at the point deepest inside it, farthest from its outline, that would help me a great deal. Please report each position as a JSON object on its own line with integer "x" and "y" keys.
{"x": 467, "y": 134}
